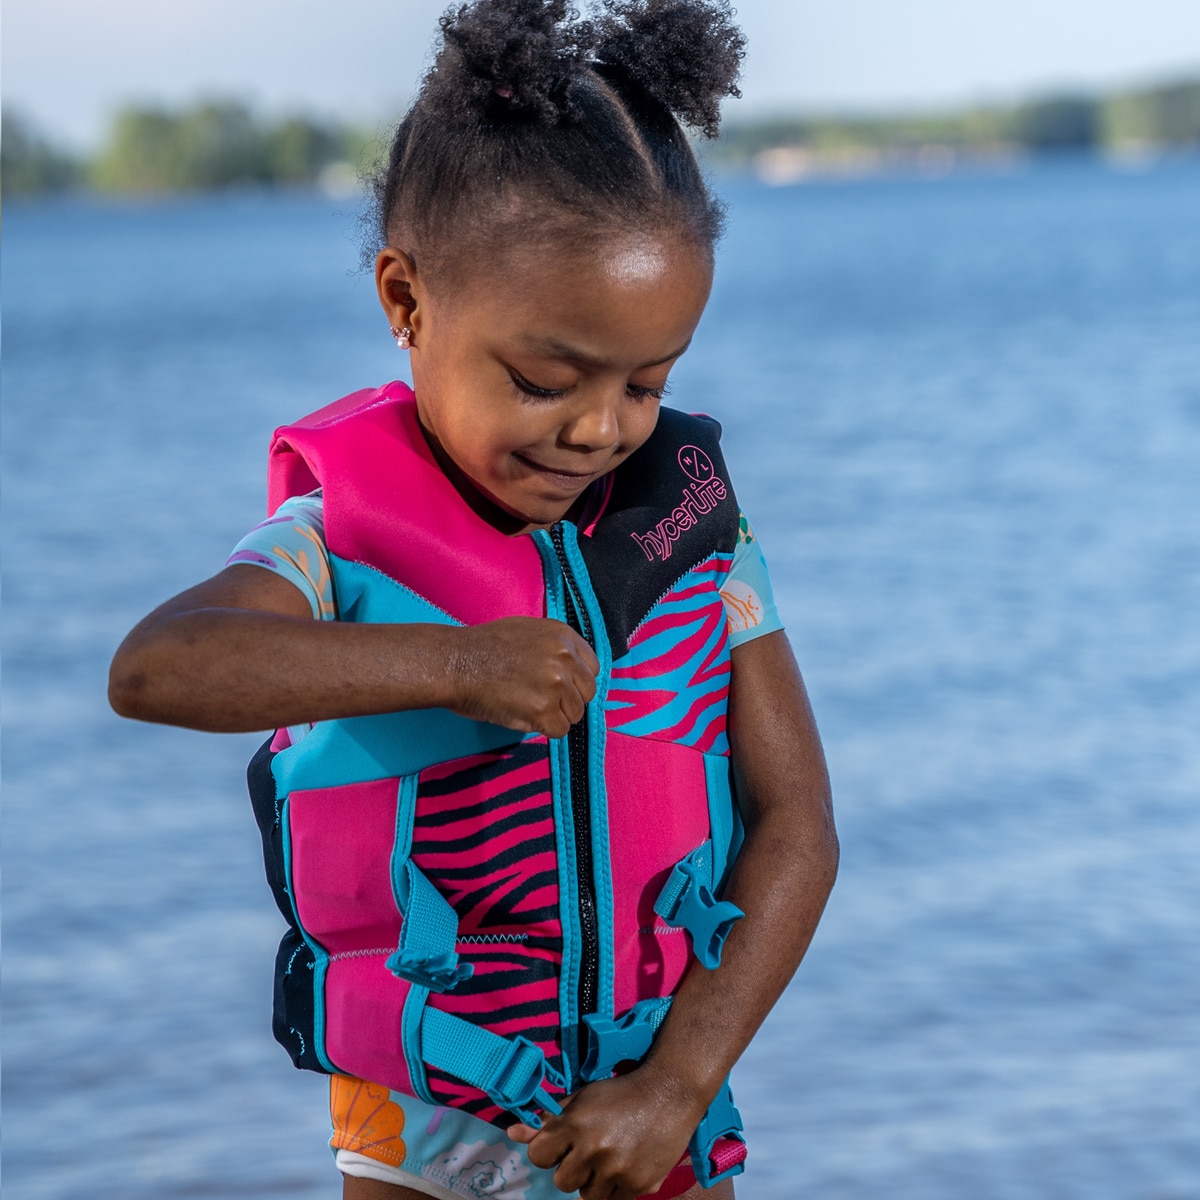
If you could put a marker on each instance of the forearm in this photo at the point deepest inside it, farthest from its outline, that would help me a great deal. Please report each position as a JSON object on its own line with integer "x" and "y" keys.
{"x": 234, "y": 670}
{"x": 241, "y": 652}
{"x": 782, "y": 888}
{"x": 781, "y": 878}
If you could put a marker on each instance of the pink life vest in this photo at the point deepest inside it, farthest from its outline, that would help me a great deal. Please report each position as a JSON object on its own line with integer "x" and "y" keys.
{"x": 477, "y": 918}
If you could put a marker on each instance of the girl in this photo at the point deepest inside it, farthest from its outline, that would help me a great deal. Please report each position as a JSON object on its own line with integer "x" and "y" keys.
{"x": 545, "y": 654}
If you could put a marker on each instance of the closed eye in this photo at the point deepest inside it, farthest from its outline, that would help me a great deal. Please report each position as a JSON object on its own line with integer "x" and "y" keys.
{"x": 642, "y": 393}
{"x": 531, "y": 389}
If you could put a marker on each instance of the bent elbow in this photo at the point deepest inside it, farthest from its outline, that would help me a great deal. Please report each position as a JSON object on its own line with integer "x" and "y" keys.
{"x": 127, "y": 690}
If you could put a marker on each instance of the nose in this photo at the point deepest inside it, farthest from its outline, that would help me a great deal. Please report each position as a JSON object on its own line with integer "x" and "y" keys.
{"x": 594, "y": 424}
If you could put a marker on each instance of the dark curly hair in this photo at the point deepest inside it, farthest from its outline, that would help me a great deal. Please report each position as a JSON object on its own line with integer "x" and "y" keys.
{"x": 534, "y": 126}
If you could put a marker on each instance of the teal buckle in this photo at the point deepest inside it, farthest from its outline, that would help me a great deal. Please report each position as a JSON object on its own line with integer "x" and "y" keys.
{"x": 626, "y": 1039}
{"x": 518, "y": 1082}
{"x": 717, "y": 1148}
{"x": 687, "y": 900}
{"x": 437, "y": 972}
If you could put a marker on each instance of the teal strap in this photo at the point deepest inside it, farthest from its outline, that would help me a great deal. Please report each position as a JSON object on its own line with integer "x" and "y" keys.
{"x": 410, "y": 1042}
{"x": 426, "y": 954}
{"x": 687, "y": 902}
{"x": 512, "y": 1071}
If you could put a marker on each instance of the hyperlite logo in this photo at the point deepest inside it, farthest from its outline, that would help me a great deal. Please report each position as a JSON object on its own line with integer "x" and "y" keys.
{"x": 702, "y": 495}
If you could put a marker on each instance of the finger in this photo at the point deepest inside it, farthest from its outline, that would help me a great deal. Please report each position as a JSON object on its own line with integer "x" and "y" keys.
{"x": 587, "y": 687}
{"x": 597, "y": 1190}
{"x": 545, "y": 1151}
{"x": 522, "y": 1133}
{"x": 591, "y": 660}
{"x": 573, "y": 1175}
{"x": 555, "y": 725}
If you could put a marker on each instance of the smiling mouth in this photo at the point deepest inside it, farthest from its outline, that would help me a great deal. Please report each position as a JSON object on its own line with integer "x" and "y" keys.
{"x": 558, "y": 474}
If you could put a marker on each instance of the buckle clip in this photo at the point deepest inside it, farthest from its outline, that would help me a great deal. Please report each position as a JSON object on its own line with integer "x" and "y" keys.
{"x": 518, "y": 1083}
{"x": 437, "y": 972}
{"x": 687, "y": 900}
{"x": 625, "y": 1039}
{"x": 717, "y": 1147}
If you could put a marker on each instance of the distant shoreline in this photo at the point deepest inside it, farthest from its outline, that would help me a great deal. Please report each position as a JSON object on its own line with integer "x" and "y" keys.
{"x": 221, "y": 144}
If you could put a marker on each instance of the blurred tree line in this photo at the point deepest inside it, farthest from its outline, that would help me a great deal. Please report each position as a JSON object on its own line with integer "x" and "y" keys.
{"x": 214, "y": 144}
{"x": 1163, "y": 117}
{"x": 221, "y": 143}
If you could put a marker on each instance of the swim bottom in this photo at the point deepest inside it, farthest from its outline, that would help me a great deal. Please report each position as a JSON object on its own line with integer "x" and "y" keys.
{"x": 443, "y": 1152}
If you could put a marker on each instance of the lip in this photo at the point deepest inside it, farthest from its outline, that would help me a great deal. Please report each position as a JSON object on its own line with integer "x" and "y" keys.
{"x": 570, "y": 480}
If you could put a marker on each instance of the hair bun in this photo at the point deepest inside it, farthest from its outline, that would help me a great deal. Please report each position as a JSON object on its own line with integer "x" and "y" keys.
{"x": 687, "y": 54}
{"x": 511, "y": 58}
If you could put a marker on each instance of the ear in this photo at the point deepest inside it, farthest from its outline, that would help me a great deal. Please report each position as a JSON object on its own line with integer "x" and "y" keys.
{"x": 399, "y": 287}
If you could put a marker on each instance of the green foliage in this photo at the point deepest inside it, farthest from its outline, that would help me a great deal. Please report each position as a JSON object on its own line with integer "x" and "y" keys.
{"x": 223, "y": 143}
{"x": 28, "y": 163}
{"x": 1167, "y": 115}
{"x": 216, "y": 144}
{"x": 1058, "y": 123}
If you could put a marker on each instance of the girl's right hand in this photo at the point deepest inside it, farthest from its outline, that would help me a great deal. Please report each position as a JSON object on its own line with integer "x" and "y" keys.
{"x": 532, "y": 674}
{"x": 241, "y": 652}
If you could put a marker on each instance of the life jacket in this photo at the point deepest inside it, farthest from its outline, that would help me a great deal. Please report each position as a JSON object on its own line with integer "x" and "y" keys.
{"x": 483, "y": 919}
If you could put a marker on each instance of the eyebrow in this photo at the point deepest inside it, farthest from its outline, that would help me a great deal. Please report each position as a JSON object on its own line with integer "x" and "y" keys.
{"x": 553, "y": 348}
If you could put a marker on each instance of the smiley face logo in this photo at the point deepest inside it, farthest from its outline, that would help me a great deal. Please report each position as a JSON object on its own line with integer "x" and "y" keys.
{"x": 696, "y": 464}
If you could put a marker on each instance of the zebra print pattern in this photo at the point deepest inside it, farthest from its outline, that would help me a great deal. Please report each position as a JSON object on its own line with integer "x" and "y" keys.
{"x": 484, "y": 836}
{"x": 673, "y": 684}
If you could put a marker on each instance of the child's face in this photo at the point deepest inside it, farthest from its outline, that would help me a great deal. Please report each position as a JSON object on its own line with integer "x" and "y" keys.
{"x": 534, "y": 379}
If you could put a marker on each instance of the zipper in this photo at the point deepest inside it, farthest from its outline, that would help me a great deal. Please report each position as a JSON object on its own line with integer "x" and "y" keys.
{"x": 581, "y": 811}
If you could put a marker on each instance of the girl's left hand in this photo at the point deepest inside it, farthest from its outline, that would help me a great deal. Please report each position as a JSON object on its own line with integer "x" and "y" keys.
{"x": 617, "y": 1138}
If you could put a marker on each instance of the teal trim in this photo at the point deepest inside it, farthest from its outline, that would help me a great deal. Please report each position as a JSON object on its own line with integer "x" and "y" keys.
{"x": 564, "y": 833}
{"x": 363, "y": 749}
{"x": 597, "y": 785}
{"x": 319, "y": 953}
{"x": 719, "y": 786}
{"x": 406, "y": 812}
{"x": 360, "y": 749}
{"x": 367, "y": 595}
{"x": 412, "y": 1043}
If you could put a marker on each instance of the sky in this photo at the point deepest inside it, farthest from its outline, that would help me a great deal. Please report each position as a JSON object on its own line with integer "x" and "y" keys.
{"x": 68, "y": 64}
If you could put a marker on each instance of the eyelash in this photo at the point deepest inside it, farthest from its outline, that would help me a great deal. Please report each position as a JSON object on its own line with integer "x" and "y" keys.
{"x": 539, "y": 393}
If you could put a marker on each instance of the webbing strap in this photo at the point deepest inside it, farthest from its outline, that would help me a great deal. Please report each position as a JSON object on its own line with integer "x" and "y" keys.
{"x": 726, "y": 1153}
{"x": 687, "y": 901}
{"x": 512, "y": 1071}
{"x": 426, "y": 954}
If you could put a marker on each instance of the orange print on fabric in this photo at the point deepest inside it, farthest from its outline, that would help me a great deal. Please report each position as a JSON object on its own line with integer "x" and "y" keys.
{"x": 366, "y": 1120}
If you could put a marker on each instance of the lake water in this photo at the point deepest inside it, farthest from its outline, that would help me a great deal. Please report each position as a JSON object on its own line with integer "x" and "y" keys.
{"x": 964, "y": 417}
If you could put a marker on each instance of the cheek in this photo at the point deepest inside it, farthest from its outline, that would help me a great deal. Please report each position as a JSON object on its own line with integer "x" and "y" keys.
{"x": 638, "y": 426}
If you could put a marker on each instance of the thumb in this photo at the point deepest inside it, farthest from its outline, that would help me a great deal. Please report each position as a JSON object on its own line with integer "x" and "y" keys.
{"x": 522, "y": 1133}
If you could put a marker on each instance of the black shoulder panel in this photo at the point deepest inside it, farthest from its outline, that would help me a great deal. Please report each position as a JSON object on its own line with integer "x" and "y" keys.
{"x": 672, "y": 507}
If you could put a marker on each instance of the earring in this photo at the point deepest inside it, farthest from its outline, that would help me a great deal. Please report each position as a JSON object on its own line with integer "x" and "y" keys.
{"x": 403, "y": 337}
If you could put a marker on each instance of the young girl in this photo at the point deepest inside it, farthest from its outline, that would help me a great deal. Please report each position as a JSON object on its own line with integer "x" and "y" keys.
{"x": 519, "y": 647}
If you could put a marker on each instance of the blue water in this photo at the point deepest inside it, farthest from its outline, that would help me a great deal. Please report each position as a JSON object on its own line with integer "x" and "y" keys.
{"x": 964, "y": 417}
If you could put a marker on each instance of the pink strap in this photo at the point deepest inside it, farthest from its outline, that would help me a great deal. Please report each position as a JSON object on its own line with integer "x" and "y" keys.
{"x": 727, "y": 1152}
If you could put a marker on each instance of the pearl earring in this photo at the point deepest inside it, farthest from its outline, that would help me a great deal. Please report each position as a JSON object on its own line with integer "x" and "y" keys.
{"x": 403, "y": 337}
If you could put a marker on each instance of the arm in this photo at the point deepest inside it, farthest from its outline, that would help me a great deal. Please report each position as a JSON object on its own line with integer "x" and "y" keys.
{"x": 241, "y": 652}
{"x": 625, "y": 1134}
